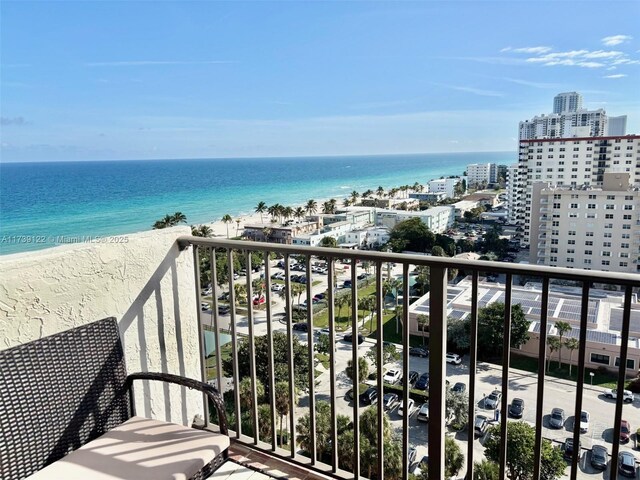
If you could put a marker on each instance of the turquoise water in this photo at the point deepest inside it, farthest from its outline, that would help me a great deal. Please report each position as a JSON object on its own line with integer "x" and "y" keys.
{"x": 39, "y": 201}
{"x": 210, "y": 341}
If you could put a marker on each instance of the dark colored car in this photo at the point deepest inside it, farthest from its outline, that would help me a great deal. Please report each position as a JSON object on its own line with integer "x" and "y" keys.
{"x": 627, "y": 464}
{"x": 369, "y": 396}
{"x": 411, "y": 455}
{"x": 557, "y": 418}
{"x": 459, "y": 387}
{"x": 423, "y": 382}
{"x": 349, "y": 338}
{"x": 413, "y": 377}
{"x": 389, "y": 400}
{"x": 625, "y": 431}
{"x": 418, "y": 352}
{"x": 224, "y": 309}
{"x": 568, "y": 448}
{"x": 516, "y": 409}
{"x": 480, "y": 426}
{"x": 301, "y": 327}
{"x": 599, "y": 457}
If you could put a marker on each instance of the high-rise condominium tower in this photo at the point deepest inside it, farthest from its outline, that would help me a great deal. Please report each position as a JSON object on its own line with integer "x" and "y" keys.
{"x": 567, "y": 102}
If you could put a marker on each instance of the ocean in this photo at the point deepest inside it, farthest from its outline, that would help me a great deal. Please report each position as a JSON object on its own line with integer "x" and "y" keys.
{"x": 41, "y": 201}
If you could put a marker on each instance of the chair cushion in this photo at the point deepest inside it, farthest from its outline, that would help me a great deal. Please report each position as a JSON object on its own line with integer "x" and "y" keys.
{"x": 140, "y": 449}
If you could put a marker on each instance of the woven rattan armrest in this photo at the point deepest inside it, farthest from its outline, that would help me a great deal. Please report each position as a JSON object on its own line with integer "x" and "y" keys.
{"x": 211, "y": 392}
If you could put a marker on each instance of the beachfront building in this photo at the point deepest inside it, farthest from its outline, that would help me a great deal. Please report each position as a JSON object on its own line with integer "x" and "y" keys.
{"x": 278, "y": 233}
{"x": 583, "y": 123}
{"x": 438, "y": 219}
{"x": 481, "y": 174}
{"x": 603, "y": 327}
{"x": 433, "y": 197}
{"x": 588, "y": 227}
{"x": 514, "y": 193}
{"x": 446, "y": 185}
{"x": 463, "y": 206}
{"x": 485, "y": 198}
{"x": 392, "y": 203}
{"x": 572, "y": 162}
{"x": 359, "y": 218}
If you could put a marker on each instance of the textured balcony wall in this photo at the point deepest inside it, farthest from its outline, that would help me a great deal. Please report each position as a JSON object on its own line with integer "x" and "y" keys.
{"x": 146, "y": 283}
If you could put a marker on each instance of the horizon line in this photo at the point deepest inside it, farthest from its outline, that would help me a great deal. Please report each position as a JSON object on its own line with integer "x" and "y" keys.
{"x": 267, "y": 157}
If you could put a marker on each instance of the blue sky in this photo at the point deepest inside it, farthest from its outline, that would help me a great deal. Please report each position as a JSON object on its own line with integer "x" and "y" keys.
{"x": 126, "y": 80}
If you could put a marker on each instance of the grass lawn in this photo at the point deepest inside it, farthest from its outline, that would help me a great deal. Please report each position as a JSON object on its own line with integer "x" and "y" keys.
{"x": 323, "y": 358}
{"x": 225, "y": 353}
{"x": 528, "y": 364}
{"x": 390, "y": 334}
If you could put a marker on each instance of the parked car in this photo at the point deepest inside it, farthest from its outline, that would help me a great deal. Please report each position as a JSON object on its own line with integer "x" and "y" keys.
{"x": 301, "y": 327}
{"x": 423, "y": 382}
{"x": 324, "y": 331}
{"x": 627, "y": 396}
{"x": 318, "y": 296}
{"x": 224, "y": 309}
{"x": 349, "y": 395}
{"x": 411, "y": 455}
{"x": 625, "y": 431}
{"x": 413, "y": 377}
{"x": 392, "y": 376}
{"x": 204, "y": 306}
{"x": 369, "y": 396}
{"x": 349, "y": 338}
{"x": 493, "y": 400}
{"x": 585, "y": 418}
{"x": 599, "y": 457}
{"x": 277, "y": 287}
{"x": 516, "y": 409}
{"x": 459, "y": 387}
{"x": 423, "y": 413}
{"x": 480, "y": 426}
{"x": 208, "y": 291}
{"x": 557, "y": 418}
{"x": 409, "y": 407}
{"x": 389, "y": 400}
{"x": 453, "y": 358}
{"x": 627, "y": 464}
{"x": 346, "y": 284}
{"x": 418, "y": 352}
{"x": 224, "y": 296}
{"x": 568, "y": 448}
{"x": 278, "y": 276}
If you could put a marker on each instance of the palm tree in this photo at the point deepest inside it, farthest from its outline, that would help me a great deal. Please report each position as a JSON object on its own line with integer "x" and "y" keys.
{"x": 311, "y": 207}
{"x": 326, "y": 207}
{"x": 380, "y": 191}
{"x": 241, "y": 293}
{"x": 238, "y": 220}
{"x": 299, "y": 213}
{"x": 261, "y": 208}
{"x": 572, "y": 344}
{"x": 160, "y": 224}
{"x": 346, "y": 202}
{"x": 287, "y": 212}
{"x": 282, "y": 403}
{"x": 201, "y": 231}
{"x": 177, "y": 218}
{"x": 354, "y": 196}
{"x": 273, "y": 211}
{"x": 423, "y": 325}
{"x": 266, "y": 232}
{"x": 554, "y": 344}
{"x": 333, "y": 203}
{"x": 562, "y": 328}
{"x": 227, "y": 220}
{"x": 341, "y": 302}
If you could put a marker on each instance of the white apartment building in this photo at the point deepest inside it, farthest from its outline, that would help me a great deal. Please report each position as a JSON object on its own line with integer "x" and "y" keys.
{"x": 587, "y": 227}
{"x": 514, "y": 194}
{"x": 567, "y": 102}
{"x": 569, "y": 162}
{"x": 446, "y": 185}
{"x": 481, "y": 174}
{"x": 438, "y": 219}
{"x": 582, "y": 123}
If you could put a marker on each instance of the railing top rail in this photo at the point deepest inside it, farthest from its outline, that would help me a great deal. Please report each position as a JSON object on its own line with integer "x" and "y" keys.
{"x": 416, "y": 259}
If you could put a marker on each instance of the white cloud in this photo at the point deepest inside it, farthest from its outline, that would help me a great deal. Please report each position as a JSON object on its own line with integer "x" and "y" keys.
{"x": 475, "y": 91}
{"x": 603, "y": 54}
{"x": 616, "y": 40}
{"x": 618, "y": 75}
{"x": 530, "y": 50}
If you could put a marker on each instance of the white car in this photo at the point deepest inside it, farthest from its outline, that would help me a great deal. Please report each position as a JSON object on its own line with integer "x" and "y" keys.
{"x": 277, "y": 287}
{"x": 627, "y": 396}
{"x": 453, "y": 358}
{"x": 409, "y": 407}
{"x": 584, "y": 421}
{"x": 393, "y": 376}
{"x": 423, "y": 413}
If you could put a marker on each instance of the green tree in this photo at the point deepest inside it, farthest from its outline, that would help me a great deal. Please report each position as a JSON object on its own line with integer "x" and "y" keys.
{"x": 178, "y": 217}
{"x": 491, "y": 328}
{"x": 280, "y": 360}
{"x": 354, "y": 197}
{"x": 562, "y": 328}
{"x": 299, "y": 213}
{"x": 341, "y": 302}
{"x": 438, "y": 251}
{"x": 283, "y": 403}
{"x": 457, "y": 406}
{"x": 389, "y": 354}
{"x": 380, "y": 191}
{"x": 486, "y": 470}
{"x": 453, "y": 460}
{"x": 423, "y": 326}
{"x": 261, "y": 208}
{"x": 246, "y": 398}
{"x": 413, "y": 235}
{"x": 323, "y": 430}
{"x": 323, "y": 345}
{"x": 520, "y": 450}
{"x": 363, "y": 372}
{"x": 458, "y": 333}
{"x": 328, "y": 242}
{"x": 201, "y": 231}
{"x": 572, "y": 344}
{"x": 227, "y": 220}
{"x": 311, "y": 207}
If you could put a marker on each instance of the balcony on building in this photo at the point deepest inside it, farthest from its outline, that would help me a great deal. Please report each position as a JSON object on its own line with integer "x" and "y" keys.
{"x": 168, "y": 298}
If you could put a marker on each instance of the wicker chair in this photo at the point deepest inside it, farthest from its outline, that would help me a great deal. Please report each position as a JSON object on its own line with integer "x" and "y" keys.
{"x": 66, "y": 411}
